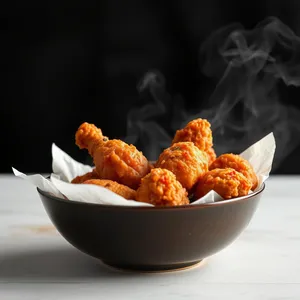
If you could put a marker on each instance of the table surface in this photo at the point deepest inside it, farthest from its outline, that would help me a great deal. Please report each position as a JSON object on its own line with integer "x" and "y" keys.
{"x": 37, "y": 263}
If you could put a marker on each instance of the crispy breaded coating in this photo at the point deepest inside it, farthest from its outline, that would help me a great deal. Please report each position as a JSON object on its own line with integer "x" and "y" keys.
{"x": 121, "y": 162}
{"x": 238, "y": 163}
{"x": 87, "y": 176}
{"x": 211, "y": 154}
{"x": 115, "y": 187}
{"x": 198, "y": 132}
{"x": 186, "y": 161}
{"x": 228, "y": 183}
{"x": 114, "y": 159}
{"x": 161, "y": 188}
{"x": 89, "y": 136}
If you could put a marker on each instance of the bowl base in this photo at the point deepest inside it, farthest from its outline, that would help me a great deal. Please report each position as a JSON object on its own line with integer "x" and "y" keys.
{"x": 154, "y": 268}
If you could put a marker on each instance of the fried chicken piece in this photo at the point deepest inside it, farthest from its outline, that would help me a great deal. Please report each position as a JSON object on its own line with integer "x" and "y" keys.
{"x": 186, "y": 161}
{"x": 161, "y": 188}
{"x": 197, "y": 131}
{"x": 115, "y": 187}
{"x": 87, "y": 176}
{"x": 211, "y": 155}
{"x": 114, "y": 159}
{"x": 238, "y": 163}
{"x": 228, "y": 183}
{"x": 88, "y": 136}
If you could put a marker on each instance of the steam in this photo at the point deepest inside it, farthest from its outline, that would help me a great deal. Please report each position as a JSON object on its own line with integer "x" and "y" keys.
{"x": 144, "y": 128}
{"x": 246, "y": 103}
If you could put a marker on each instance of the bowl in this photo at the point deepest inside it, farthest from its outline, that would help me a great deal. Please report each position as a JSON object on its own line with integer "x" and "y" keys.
{"x": 151, "y": 238}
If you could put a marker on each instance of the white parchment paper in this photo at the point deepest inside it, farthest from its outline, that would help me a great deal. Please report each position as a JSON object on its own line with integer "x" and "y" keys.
{"x": 65, "y": 168}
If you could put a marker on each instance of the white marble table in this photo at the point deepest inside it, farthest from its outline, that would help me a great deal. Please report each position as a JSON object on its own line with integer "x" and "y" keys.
{"x": 37, "y": 263}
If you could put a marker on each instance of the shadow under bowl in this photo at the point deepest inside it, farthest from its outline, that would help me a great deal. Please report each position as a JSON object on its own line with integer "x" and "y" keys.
{"x": 151, "y": 238}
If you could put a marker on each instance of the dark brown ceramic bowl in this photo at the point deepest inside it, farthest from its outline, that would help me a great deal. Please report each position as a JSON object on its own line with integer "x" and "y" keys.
{"x": 151, "y": 238}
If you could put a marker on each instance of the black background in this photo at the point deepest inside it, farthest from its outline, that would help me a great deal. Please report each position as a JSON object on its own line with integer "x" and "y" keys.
{"x": 66, "y": 63}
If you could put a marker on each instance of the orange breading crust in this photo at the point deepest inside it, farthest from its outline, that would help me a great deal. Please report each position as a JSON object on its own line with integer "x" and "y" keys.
{"x": 211, "y": 154}
{"x": 238, "y": 163}
{"x": 228, "y": 183}
{"x": 161, "y": 188}
{"x": 114, "y": 159}
{"x": 115, "y": 187}
{"x": 87, "y": 176}
{"x": 186, "y": 161}
{"x": 88, "y": 136}
{"x": 198, "y": 132}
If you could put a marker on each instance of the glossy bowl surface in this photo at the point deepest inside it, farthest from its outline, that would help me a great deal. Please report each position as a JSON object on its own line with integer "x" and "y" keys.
{"x": 151, "y": 238}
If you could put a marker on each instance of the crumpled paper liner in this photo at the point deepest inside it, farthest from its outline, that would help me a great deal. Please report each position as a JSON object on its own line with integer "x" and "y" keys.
{"x": 65, "y": 168}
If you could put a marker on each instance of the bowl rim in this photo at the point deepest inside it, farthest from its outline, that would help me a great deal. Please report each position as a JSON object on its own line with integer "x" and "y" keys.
{"x": 157, "y": 208}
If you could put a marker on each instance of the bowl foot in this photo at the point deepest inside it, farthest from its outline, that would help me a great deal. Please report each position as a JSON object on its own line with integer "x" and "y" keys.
{"x": 154, "y": 268}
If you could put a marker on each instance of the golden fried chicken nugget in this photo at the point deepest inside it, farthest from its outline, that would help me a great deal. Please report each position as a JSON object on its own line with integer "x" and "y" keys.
{"x": 115, "y": 187}
{"x": 198, "y": 132}
{"x": 228, "y": 183}
{"x": 161, "y": 188}
{"x": 211, "y": 154}
{"x": 114, "y": 159}
{"x": 238, "y": 163}
{"x": 87, "y": 176}
{"x": 186, "y": 161}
